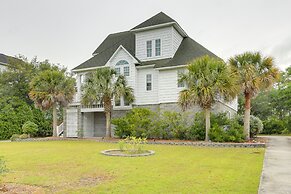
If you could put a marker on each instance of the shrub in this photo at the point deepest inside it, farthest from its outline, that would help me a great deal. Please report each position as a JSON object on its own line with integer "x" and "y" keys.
{"x": 230, "y": 133}
{"x": 285, "y": 132}
{"x": 273, "y": 126}
{"x": 139, "y": 122}
{"x": 216, "y": 133}
{"x": 30, "y": 128}
{"x": 196, "y": 132}
{"x": 174, "y": 125}
{"x": 256, "y": 125}
{"x": 14, "y": 137}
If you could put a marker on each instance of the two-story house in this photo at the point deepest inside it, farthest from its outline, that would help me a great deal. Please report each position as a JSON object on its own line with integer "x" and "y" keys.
{"x": 151, "y": 56}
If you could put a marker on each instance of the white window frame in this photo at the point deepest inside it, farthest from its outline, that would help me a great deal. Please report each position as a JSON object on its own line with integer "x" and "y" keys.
{"x": 151, "y": 82}
{"x": 127, "y": 72}
{"x": 158, "y": 48}
{"x": 149, "y": 48}
{"x": 118, "y": 71}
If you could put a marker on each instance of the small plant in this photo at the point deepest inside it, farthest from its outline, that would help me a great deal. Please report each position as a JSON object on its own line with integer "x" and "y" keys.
{"x": 14, "y": 137}
{"x": 132, "y": 145}
{"x": 30, "y": 128}
{"x": 23, "y": 136}
{"x": 3, "y": 168}
{"x": 121, "y": 144}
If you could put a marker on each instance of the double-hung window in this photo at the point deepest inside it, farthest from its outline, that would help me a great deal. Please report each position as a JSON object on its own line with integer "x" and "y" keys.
{"x": 149, "y": 48}
{"x": 126, "y": 71}
{"x": 158, "y": 47}
{"x": 149, "y": 82}
{"x": 117, "y": 70}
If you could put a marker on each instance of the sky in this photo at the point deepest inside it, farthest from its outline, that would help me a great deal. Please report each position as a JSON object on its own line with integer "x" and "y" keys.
{"x": 68, "y": 31}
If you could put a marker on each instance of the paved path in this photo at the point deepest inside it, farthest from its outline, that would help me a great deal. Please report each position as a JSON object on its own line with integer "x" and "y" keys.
{"x": 276, "y": 175}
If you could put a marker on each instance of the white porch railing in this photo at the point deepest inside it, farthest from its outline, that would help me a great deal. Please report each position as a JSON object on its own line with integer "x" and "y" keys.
{"x": 93, "y": 106}
{"x": 60, "y": 130}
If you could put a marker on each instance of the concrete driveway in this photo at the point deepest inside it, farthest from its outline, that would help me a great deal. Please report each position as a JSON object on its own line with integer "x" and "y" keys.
{"x": 276, "y": 175}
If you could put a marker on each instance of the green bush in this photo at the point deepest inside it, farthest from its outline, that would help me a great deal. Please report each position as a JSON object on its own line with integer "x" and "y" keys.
{"x": 20, "y": 112}
{"x": 256, "y": 125}
{"x": 196, "y": 132}
{"x": 229, "y": 133}
{"x": 273, "y": 126}
{"x": 139, "y": 122}
{"x": 174, "y": 125}
{"x": 30, "y": 128}
{"x": 132, "y": 145}
{"x": 216, "y": 133}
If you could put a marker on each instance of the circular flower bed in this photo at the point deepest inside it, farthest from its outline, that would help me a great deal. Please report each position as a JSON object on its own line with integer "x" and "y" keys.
{"x": 117, "y": 152}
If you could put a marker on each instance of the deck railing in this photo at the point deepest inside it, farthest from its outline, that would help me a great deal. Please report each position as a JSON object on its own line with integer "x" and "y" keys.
{"x": 93, "y": 106}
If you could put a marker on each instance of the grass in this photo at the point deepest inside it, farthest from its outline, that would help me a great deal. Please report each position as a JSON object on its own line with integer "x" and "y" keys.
{"x": 78, "y": 167}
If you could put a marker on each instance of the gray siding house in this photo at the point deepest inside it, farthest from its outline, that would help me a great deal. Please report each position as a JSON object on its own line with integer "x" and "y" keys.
{"x": 150, "y": 56}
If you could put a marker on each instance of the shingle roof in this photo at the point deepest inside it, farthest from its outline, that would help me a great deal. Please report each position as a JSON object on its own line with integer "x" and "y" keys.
{"x": 188, "y": 50}
{"x": 160, "y": 18}
{"x": 3, "y": 59}
{"x": 107, "y": 48}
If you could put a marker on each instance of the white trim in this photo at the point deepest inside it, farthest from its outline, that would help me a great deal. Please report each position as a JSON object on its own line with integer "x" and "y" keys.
{"x": 179, "y": 29}
{"x": 120, "y": 47}
{"x": 171, "y": 67}
{"x": 87, "y": 69}
{"x": 145, "y": 66}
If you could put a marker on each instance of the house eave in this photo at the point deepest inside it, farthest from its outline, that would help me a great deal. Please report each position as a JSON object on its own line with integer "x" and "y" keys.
{"x": 175, "y": 24}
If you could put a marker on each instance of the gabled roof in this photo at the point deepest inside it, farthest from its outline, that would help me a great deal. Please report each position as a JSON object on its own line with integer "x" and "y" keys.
{"x": 3, "y": 59}
{"x": 107, "y": 48}
{"x": 160, "y": 18}
{"x": 187, "y": 51}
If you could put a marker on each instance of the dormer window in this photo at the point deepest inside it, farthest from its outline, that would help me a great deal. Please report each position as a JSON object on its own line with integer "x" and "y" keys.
{"x": 149, "y": 48}
{"x": 158, "y": 47}
{"x": 122, "y": 67}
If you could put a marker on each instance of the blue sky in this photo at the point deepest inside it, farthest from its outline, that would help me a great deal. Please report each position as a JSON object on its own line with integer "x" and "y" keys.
{"x": 67, "y": 32}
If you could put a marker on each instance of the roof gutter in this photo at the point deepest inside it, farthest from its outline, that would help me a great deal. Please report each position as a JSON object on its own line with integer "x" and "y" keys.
{"x": 171, "y": 67}
{"x": 87, "y": 69}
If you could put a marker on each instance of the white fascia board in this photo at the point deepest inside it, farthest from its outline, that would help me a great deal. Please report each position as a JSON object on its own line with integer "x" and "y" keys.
{"x": 172, "y": 67}
{"x": 153, "y": 27}
{"x": 144, "y": 67}
{"x": 175, "y": 24}
{"x": 87, "y": 69}
{"x": 120, "y": 47}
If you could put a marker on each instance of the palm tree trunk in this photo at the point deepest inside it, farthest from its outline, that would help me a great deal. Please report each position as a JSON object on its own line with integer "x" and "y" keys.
{"x": 107, "y": 110}
{"x": 108, "y": 124}
{"x": 55, "y": 120}
{"x": 207, "y": 123}
{"x": 247, "y": 115}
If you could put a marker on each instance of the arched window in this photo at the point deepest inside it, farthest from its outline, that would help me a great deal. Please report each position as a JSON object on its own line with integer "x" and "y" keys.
{"x": 122, "y": 70}
{"x": 122, "y": 62}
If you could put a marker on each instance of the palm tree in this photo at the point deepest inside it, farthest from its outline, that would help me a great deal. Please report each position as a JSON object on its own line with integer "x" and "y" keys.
{"x": 50, "y": 89}
{"x": 100, "y": 87}
{"x": 255, "y": 73}
{"x": 208, "y": 80}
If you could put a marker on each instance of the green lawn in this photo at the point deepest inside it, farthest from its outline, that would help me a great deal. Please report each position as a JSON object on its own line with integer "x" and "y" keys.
{"x": 78, "y": 167}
